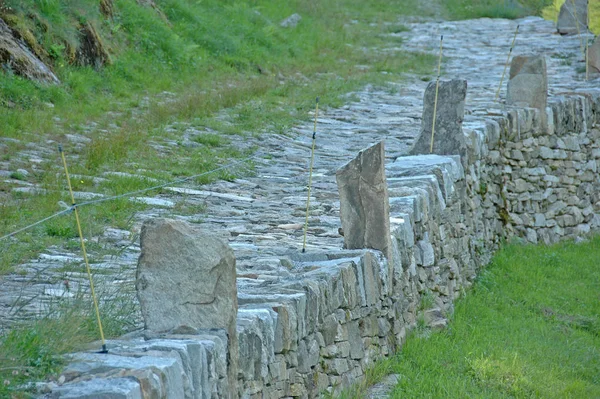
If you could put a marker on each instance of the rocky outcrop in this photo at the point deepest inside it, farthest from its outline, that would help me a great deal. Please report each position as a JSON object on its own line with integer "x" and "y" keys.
{"x": 91, "y": 51}
{"x": 17, "y": 58}
{"x": 152, "y": 4}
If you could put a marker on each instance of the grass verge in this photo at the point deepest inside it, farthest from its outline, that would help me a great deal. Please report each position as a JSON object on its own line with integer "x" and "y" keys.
{"x": 529, "y": 328}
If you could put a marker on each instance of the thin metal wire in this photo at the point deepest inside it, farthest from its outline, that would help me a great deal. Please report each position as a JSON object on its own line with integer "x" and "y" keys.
{"x": 129, "y": 194}
{"x": 183, "y": 179}
{"x": 312, "y": 158}
{"x": 14, "y": 233}
{"x": 506, "y": 65}
{"x": 82, "y": 242}
{"x": 437, "y": 87}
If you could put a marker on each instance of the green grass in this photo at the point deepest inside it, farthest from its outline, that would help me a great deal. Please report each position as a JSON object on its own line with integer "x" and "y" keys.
{"x": 529, "y": 328}
{"x": 226, "y": 58}
{"x": 511, "y": 9}
{"x": 225, "y": 68}
{"x": 32, "y": 351}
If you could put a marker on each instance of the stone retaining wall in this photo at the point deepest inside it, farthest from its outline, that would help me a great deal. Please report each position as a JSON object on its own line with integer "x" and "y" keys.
{"x": 336, "y": 313}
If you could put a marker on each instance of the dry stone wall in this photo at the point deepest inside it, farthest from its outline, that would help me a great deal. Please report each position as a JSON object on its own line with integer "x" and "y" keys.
{"x": 320, "y": 327}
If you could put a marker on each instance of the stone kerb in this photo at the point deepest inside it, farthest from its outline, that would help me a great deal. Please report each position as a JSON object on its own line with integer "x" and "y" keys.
{"x": 450, "y": 113}
{"x": 573, "y": 20}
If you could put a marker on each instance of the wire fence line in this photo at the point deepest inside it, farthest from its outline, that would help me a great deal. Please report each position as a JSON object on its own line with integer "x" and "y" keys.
{"x": 129, "y": 194}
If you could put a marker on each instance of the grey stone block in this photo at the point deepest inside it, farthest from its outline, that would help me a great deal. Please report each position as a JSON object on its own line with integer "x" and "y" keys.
{"x": 572, "y": 20}
{"x": 450, "y": 112}
{"x": 99, "y": 388}
{"x": 364, "y": 205}
{"x": 528, "y": 82}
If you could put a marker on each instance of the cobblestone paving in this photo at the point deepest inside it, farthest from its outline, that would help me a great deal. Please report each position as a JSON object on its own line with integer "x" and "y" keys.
{"x": 262, "y": 216}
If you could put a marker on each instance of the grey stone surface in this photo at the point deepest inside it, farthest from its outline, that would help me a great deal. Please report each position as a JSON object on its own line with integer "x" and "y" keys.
{"x": 186, "y": 277}
{"x": 593, "y": 58}
{"x": 17, "y": 56}
{"x": 114, "y": 388}
{"x": 318, "y": 301}
{"x": 291, "y": 21}
{"x": 156, "y": 375}
{"x": 528, "y": 82}
{"x": 364, "y": 204}
{"x": 448, "y": 138}
{"x": 572, "y": 19}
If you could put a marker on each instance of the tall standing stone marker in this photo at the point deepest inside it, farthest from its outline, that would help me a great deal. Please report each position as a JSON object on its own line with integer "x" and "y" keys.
{"x": 566, "y": 23}
{"x": 187, "y": 277}
{"x": 594, "y": 56}
{"x": 364, "y": 203}
{"x": 528, "y": 82}
{"x": 448, "y": 138}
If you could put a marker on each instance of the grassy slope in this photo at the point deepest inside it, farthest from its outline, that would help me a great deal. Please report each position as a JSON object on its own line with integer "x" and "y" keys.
{"x": 209, "y": 56}
{"x": 467, "y": 9}
{"x": 228, "y": 67}
{"x": 529, "y": 328}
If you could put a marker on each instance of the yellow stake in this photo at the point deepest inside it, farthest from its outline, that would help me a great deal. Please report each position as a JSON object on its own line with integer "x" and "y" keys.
{"x": 506, "y": 65}
{"x": 437, "y": 87}
{"x": 587, "y": 45}
{"x": 312, "y": 158}
{"x": 577, "y": 25}
{"x": 85, "y": 258}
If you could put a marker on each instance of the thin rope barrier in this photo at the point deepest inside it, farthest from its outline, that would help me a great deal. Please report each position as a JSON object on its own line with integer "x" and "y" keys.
{"x": 125, "y": 195}
{"x": 14, "y": 233}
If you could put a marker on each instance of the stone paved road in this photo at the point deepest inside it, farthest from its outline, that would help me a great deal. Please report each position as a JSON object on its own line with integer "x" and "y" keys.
{"x": 261, "y": 216}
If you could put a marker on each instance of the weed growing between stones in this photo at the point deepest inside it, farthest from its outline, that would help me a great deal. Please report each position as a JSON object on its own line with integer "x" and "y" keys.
{"x": 230, "y": 70}
{"x": 33, "y": 350}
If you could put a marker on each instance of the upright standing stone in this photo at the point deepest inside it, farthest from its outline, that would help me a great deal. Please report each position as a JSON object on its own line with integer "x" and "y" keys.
{"x": 566, "y": 24}
{"x": 593, "y": 58}
{"x": 450, "y": 113}
{"x": 187, "y": 277}
{"x": 364, "y": 204}
{"x": 528, "y": 82}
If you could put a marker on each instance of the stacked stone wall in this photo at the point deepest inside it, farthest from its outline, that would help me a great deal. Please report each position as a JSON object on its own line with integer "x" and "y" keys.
{"x": 336, "y": 313}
